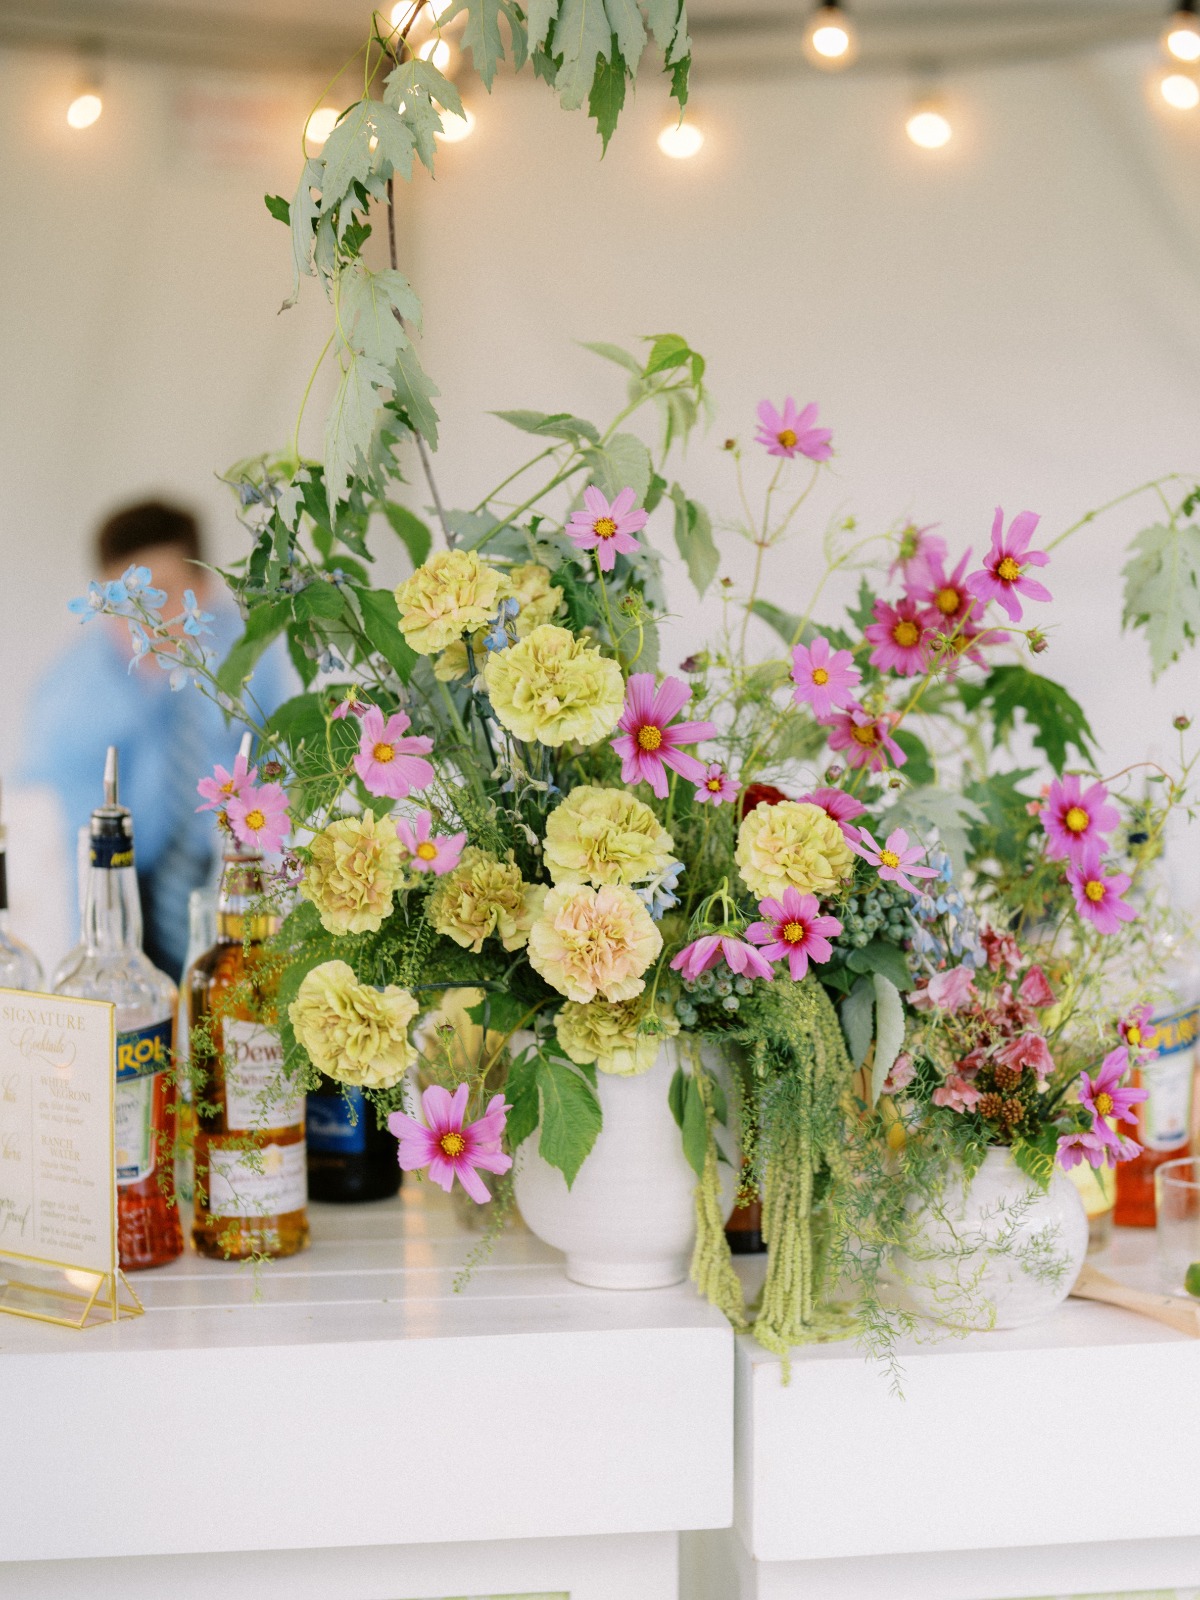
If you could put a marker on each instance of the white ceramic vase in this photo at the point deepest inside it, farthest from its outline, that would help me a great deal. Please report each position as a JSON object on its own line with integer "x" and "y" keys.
{"x": 999, "y": 1252}
{"x": 628, "y": 1221}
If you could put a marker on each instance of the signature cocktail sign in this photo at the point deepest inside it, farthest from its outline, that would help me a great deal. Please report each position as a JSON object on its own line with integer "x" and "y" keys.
{"x": 58, "y": 1190}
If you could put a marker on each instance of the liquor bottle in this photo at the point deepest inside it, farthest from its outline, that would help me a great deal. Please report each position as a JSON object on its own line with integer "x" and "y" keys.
{"x": 250, "y": 1189}
{"x": 202, "y": 933}
{"x": 743, "y": 1229}
{"x": 83, "y": 866}
{"x": 113, "y": 967}
{"x": 19, "y": 967}
{"x": 350, "y": 1157}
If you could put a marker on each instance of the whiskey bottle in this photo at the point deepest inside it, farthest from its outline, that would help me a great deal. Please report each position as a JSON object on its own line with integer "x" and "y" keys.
{"x": 112, "y": 966}
{"x": 350, "y": 1157}
{"x": 19, "y": 967}
{"x": 250, "y": 1182}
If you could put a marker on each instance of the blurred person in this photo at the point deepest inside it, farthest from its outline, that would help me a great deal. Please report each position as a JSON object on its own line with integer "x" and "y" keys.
{"x": 90, "y": 697}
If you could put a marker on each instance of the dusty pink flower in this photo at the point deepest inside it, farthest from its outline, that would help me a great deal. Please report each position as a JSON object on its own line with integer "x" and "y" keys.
{"x": 903, "y": 637}
{"x": 867, "y": 740}
{"x": 948, "y": 991}
{"x": 839, "y": 805}
{"x": 1002, "y": 950}
{"x": 896, "y": 858}
{"x": 794, "y": 432}
{"x": 706, "y": 951}
{"x": 928, "y": 586}
{"x": 1104, "y": 1097}
{"x": 1035, "y": 990}
{"x": 1098, "y": 896}
{"x": 1136, "y": 1032}
{"x": 1003, "y": 577}
{"x": 606, "y": 528}
{"x": 900, "y": 1074}
{"x": 957, "y": 1094}
{"x": 450, "y": 1147}
{"x": 1075, "y": 1148}
{"x": 224, "y": 786}
{"x": 388, "y": 763}
{"x": 1028, "y": 1050}
{"x": 436, "y": 853}
{"x": 823, "y": 676}
{"x": 1075, "y": 817}
{"x": 349, "y": 705}
{"x": 794, "y": 931}
{"x": 716, "y": 787}
{"x": 259, "y": 817}
{"x": 650, "y": 739}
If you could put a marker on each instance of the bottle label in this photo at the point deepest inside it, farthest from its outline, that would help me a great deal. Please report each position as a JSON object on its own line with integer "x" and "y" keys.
{"x": 270, "y": 1182}
{"x": 110, "y": 851}
{"x": 337, "y": 1122}
{"x": 140, "y": 1101}
{"x": 1164, "y": 1118}
{"x": 257, "y": 1092}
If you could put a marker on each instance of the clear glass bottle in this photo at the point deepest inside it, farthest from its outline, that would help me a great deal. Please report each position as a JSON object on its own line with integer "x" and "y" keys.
{"x": 19, "y": 967}
{"x": 114, "y": 967}
{"x": 350, "y": 1157}
{"x": 202, "y": 933}
{"x": 250, "y": 1185}
{"x": 83, "y": 866}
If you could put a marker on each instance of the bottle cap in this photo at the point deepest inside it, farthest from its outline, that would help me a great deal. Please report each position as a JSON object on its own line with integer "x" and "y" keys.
{"x": 111, "y": 830}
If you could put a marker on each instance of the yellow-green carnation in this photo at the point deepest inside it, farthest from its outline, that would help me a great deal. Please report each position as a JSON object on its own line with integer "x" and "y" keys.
{"x": 482, "y": 896}
{"x": 352, "y": 1032}
{"x": 453, "y": 593}
{"x": 792, "y": 844}
{"x": 621, "y": 1037}
{"x": 600, "y": 836}
{"x": 593, "y": 942}
{"x": 552, "y": 687}
{"x": 355, "y": 867}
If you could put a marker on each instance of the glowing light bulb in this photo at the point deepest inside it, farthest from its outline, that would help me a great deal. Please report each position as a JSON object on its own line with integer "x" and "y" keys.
{"x": 1181, "y": 36}
{"x": 321, "y": 124}
{"x": 680, "y": 140}
{"x": 455, "y": 129}
{"x": 84, "y": 110}
{"x": 829, "y": 40}
{"x": 406, "y": 8}
{"x": 929, "y": 128}
{"x": 437, "y": 51}
{"x": 1179, "y": 91}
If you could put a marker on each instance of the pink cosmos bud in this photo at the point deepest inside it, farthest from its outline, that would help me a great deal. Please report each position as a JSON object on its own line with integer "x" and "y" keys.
{"x": 272, "y": 769}
{"x": 1038, "y": 642}
{"x": 730, "y": 444}
{"x": 834, "y": 772}
{"x": 1182, "y": 723}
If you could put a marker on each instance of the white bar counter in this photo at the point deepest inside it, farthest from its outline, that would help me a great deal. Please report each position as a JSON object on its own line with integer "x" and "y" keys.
{"x": 524, "y": 1434}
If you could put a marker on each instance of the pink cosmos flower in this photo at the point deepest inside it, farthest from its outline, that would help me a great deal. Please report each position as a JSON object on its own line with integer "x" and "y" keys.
{"x": 919, "y": 547}
{"x": 1136, "y": 1032}
{"x": 824, "y": 677}
{"x": 705, "y": 952}
{"x": 927, "y": 585}
{"x": 436, "y": 854}
{"x": 716, "y": 787}
{"x": 1098, "y": 896}
{"x": 1028, "y": 1050}
{"x": 867, "y": 740}
{"x": 259, "y": 817}
{"x": 648, "y": 744}
{"x": 1075, "y": 1148}
{"x": 948, "y": 991}
{"x": 839, "y": 805}
{"x": 225, "y": 786}
{"x": 1035, "y": 990}
{"x": 386, "y": 762}
{"x": 957, "y": 1094}
{"x": 349, "y": 705}
{"x": 606, "y": 529}
{"x": 1003, "y": 576}
{"x": 1075, "y": 817}
{"x": 900, "y": 1075}
{"x": 895, "y": 859}
{"x": 965, "y": 645}
{"x": 1104, "y": 1097}
{"x": 794, "y": 931}
{"x": 450, "y": 1147}
{"x": 903, "y": 637}
{"x": 794, "y": 432}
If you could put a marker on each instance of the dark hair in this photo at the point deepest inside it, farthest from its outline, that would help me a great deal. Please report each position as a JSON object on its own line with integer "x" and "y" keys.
{"x": 126, "y": 533}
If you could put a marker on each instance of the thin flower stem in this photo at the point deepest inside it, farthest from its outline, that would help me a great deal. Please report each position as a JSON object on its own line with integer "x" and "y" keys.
{"x": 312, "y": 378}
{"x": 504, "y": 482}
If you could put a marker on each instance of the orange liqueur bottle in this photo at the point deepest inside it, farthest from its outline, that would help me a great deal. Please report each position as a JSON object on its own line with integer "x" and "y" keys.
{"x": 251, "y": 1193}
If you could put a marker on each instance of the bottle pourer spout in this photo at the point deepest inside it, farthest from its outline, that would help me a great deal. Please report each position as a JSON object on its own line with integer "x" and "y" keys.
{"x": 111, "y": 777}
{"x": 244, "y": 752}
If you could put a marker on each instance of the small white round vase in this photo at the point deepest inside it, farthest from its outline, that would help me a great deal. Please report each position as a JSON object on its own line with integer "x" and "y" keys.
{"x": 999, "y": 1252}
{"x": 628, "y": 1221}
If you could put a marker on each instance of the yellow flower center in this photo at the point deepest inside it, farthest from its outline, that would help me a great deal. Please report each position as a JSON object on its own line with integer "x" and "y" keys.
{"x": 1133, "y": 1036}
{"x": 604, "y": 527}
{"x": 1009, "y": 570}
{"x": 427, "y": 850}
{"x": 452, "y": 1144}
{"x": 384, "y": 752}
{"x": 820, "y": 676}
{"x": 868, "y": 736}
{"x": 792, "y": 933}
{"x": 1104, "y": 1105}
{"x": 255, "y": 820}
{"x": 713, "y": 785}
{"x": 1094, "y": 890}
{"x": 947, "y": 601}
{"x": 787, "y": 438}
{"x": 227, "y": 788}
{"x": 649, "y": 737}
{"x": 1077, "y": 819}
{"x": 888, "y": 858}
{"x": 906, "y": 633}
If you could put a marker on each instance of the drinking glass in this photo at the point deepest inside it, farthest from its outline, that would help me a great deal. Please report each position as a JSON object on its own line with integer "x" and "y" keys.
{"x": 1177, "y": 1202}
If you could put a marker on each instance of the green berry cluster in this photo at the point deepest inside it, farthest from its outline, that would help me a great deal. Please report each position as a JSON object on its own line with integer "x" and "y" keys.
{"x": 879, "y": 911}
{"x": 714, "y": 995}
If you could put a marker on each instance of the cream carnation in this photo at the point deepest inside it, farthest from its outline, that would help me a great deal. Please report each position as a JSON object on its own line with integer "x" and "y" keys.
{"x": 453, "y": 593}
{"x": 355, "y": 867}
{"x": 590, "y": 942}
{"x": 483, "y": 896}
{"x": 352, "y": 1032}
{"x": 621, "y": 1037}
{"x": 552, "y": 686}
{"x": 539, "y": 599}
{"x": 792, "y": 844}
{"x": 600, "y": 836}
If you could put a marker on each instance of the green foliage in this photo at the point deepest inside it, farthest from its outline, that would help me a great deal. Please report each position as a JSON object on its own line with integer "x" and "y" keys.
{"x": 606, "y": 98}
{"x": 548, "y": 1091}
{"x": 694, "y": 539}
{"x": 1162, "y": 590}
{"x": 413, "y": 534}
{"x": 1056, "y": 720}
{"x": 264, "y": 625}
{"x": 553, "y": 425}
{"x": 919, "y": 767}
{"x": 622, "y": 463}
{"x": 884, "y": 959}
{"x": 279, "y": 208}
{"x": 889, "y": 1031}
{"x": 381, "y": 624}
{"x": 924, "y": 810}
{"x": 686, "y": 1099}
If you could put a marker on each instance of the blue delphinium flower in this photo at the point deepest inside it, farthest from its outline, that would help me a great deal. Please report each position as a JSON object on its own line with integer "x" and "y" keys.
{"x": 89, "y": 605}
{"x": 140, "y": 642}
{"x": 137, "y": 586}
{"x": 195, "y": 621}
{"x": 657, "y": 893}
